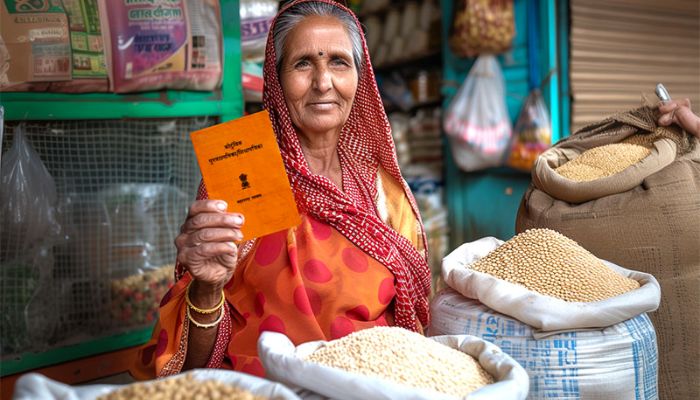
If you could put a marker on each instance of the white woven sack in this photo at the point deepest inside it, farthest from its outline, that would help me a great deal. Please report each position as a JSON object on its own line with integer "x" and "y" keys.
{"x": 285, "y": 363}
{"x": 537, "y": 310}
{"x": 36, "y": 386}
{"x": 619, "y": 362}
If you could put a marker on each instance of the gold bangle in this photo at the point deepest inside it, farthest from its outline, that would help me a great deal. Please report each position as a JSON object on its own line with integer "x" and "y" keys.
{"x": 205, "y": 326}
{"x": 202, "y": 310}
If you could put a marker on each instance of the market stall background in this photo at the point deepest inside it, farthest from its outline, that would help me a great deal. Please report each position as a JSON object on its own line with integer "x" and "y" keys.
{"x": 122, "y": 163}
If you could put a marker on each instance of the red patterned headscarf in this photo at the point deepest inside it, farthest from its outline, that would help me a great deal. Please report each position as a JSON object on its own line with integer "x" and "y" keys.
{"x": 364, "y": 145}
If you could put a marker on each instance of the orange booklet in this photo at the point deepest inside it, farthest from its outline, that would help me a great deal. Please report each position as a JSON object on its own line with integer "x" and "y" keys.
{"x": 241, "y": 164}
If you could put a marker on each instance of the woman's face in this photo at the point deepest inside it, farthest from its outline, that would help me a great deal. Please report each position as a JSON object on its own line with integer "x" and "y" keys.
{"x": 318, "y": 75}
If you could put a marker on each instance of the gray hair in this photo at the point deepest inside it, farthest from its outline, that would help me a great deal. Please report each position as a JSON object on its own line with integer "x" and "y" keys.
{"x": 295, "y": 14}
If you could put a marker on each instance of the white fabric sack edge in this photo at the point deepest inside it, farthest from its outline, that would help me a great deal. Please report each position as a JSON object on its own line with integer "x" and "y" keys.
{"x": 36, "y": 386}
{"x": 537, "y": 310}
{"x": 284, "y": 362}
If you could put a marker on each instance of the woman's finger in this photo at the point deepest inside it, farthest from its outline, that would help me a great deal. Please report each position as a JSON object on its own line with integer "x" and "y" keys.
{"x": 192, "y": 255}
{"x": 212, "y": 220}
{"x": 229, "y": 260}
{"x": 213, "y": 235}
{"x": 207, "y": 206}
{"x": 667, "y": 119}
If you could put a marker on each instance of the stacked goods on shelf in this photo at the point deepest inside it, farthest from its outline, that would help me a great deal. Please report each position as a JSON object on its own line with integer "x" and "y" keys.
{"x": 626, "y": 189}
{"x": 34, "y": 45}
{"x": 402, "y": 33}
{"x": 427, "y": 186}
{"x": 399, "y": 131}
{"x": 577, "y": 324}
{"x": 87, "y": 48}
{"x": 425, "y": 138}
{"x": 418, "y": 138}
{"x": 152, "y": 46}
{"x": 391, "y": 362}
{"x": 76, "y": 45}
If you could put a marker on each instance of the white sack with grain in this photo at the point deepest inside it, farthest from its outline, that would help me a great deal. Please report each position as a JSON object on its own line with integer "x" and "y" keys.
{"x": 36, "y": 386}
{"x": 289, "y": 364}
{"x": 545, "y": 312}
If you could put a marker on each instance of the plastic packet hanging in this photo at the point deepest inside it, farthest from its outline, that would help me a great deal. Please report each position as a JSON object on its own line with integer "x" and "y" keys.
{"x": 27, "y": 199}
{"x": 174, "y": 44}
{"x": 532, "y": 134}
{"x": 142, "y": 220}
{"x": 477, "y": 122}
{"x": 482, "y": 26}
{"x": 256, "y": 17}
{"x": 29, "y": 230}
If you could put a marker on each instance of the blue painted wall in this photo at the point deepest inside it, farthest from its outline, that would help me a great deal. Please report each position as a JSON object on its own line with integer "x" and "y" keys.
{"x": 485, "y": 203}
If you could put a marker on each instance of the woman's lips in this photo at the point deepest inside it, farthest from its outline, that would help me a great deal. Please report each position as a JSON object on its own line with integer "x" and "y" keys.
{"x": 322, "y": 105}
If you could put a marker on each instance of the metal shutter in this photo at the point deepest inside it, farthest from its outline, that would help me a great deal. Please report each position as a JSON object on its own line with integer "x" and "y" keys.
{"x": 623, "y": 48}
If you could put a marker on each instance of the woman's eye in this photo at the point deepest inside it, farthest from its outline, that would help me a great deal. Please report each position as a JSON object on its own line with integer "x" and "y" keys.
{"x": 301, "y": 64}
{"x": 340, "y": 62}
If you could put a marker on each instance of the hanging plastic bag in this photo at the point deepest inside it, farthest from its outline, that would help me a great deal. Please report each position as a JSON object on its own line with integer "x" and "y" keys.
{"x": 532, "y": 134}
{"x": 477, "y": 122}
{"x": 256, "y": 17}
{"x": 482, "y": 26}
{"x": 27, "y": 199}
{"x": 28, "y": 231}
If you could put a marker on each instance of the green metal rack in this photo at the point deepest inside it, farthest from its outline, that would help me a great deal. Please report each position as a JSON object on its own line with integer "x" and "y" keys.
{"x": 226, "y": 104}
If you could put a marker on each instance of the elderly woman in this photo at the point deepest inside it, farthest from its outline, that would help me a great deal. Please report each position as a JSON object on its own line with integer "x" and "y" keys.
{"x": 357, "y": 260}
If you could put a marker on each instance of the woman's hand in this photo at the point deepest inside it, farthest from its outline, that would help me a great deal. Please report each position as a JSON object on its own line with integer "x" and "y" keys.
{"x": 206, "y": 245}
{"x": 679, "y": 112}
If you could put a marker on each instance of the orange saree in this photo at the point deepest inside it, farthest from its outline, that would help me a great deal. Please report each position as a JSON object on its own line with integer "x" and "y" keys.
{"x": 308, "y": 282}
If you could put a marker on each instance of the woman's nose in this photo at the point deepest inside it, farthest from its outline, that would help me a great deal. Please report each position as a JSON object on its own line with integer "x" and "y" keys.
{"x": 322, "y": 79}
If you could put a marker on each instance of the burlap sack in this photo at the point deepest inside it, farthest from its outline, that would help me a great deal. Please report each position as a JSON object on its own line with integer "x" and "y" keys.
{"x": 653, "y": 226}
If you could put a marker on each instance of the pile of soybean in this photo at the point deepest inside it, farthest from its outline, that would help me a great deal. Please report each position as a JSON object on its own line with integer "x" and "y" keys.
{"x": 550, "y": 263}
{"x": 185, "y": 387}
{"x": 405, "y": 357}
{"x": 603, "y": 161}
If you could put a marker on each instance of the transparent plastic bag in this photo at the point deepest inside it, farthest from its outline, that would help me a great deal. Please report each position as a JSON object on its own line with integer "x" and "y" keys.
{"x": 27, "y": 199}
{"x": 29, "y": 230}
{"x": 256, "y": 17}
{"x": 143, "y": 221}
{"x": 532, "y": 134}
{"x": 477, "y": 122}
